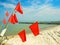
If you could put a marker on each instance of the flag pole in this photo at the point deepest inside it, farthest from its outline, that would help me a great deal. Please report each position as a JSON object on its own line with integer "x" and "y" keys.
{"x": 14, "y": 11}
{"x": 6, "y": 25}
{"x": 3, "y": 30}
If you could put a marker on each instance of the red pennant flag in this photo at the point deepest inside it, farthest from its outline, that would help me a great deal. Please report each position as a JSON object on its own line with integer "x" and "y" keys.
{"x": 16, "y": 20}
{"x": 4, "y": 21}
{"x": 18, "y": 8}
{"x": 7, "y": 14}
{"x": 11, "y": 19}
{"x": 35, "y": 29}
{"x": 22, "y": 35}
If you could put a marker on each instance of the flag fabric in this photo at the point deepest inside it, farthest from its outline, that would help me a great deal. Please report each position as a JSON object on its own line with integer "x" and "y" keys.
{"x": 16, "y": 20}
{"x": 18, "y": 8}
{"x": 7, "y": 14}
{"x": 4, "y": 21}
{"x": 11, "y": 19}
{"x": 22, "y": 35}
{"x": 34, "y": 28}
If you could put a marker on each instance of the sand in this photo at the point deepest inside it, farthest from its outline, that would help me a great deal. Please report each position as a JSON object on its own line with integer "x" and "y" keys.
{"x": 49, "y": 36}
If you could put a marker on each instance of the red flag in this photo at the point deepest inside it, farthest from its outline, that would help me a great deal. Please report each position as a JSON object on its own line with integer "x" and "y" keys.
{"x": 4, "y": 21}
{"x": 7, "y": 14}
{"x": 16, "y": 20}
{"x": 11, "y": 19}
{"x": 22, "y": 35}
{"x": 35, "y": 29}
{"x": 18, "y": 8}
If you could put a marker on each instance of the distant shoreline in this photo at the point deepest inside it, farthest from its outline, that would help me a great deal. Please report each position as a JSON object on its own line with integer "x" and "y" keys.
{"x": 57, "y": 23}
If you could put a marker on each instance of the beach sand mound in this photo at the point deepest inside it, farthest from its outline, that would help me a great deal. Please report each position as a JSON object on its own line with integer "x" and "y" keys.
{"x": 50, "y": 36}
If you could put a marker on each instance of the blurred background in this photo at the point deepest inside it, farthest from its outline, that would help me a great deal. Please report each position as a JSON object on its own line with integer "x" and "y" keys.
{"x": 46, "y": 12}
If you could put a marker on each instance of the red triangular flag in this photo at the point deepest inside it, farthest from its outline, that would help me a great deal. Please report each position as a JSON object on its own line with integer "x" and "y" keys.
{"x": 18, "y": 8}
{"x": 11, "y": 19}
{"x": 16, "y": 20}
{"x": 7, "y": 14}
{"x": 4, "y": 21}
{"x": 35, "y": 29}
{"x": 22, "y": 35}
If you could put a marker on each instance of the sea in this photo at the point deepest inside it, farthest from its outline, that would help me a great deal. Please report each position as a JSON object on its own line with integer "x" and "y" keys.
{"x": 14, "y": 29}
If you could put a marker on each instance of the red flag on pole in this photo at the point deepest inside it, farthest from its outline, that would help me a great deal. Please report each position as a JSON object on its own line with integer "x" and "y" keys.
{"x": 11, "y": 19}
{"x": 7, "y": 14}
{"x": 35, "y": 29}
{"x": 16, "y": 20}
{"x": 22, "y": 35}
{"x": 18, "y": 8}
{"x": 4, "y": 21}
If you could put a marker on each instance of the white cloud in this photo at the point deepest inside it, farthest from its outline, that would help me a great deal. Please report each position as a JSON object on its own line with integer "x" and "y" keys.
{"x": 41, "y": 13}
{"x": 37, "y": 12}
{"x": 48, "y": 11}
{"x": 7, "y": 5}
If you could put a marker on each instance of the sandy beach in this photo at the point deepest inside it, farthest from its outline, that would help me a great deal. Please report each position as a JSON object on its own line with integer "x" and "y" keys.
{"x": 49, "y": 36}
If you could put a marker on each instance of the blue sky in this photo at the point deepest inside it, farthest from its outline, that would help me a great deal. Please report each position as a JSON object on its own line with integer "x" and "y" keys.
{"x": 34, "y": 10}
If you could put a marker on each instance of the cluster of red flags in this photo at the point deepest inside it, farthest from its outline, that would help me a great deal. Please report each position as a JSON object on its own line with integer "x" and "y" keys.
{"x": 4, "y": 20}
{"x": 13, "y": 19}
{"x": 34, "y": 28}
